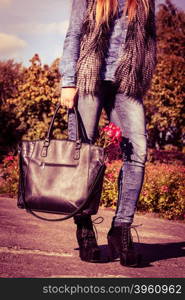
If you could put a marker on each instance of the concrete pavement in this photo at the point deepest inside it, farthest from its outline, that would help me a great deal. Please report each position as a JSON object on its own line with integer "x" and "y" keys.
{"x": 33, "y": 248}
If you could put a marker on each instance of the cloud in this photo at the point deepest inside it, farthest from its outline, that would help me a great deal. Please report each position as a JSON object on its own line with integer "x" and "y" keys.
{"x": 11, "y": 45}
{"x": 42, "y": 28}
{"x": 5, "y": 3}
{"x": 55, "y": 27}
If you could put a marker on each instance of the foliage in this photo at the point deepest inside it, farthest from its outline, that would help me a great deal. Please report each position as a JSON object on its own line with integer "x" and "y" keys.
{"x": 163, "y": 189}
{"x": 29, "y": 111}
{"x": 165, "y": 109}
{"x": 169, "y": 155}
{"x": 10, "y": 171}
{"x": 171, "y": 30}
{"x": 10, "y": 74}
{"x": 165, "y": 100}
{"x": 110, "y": 189}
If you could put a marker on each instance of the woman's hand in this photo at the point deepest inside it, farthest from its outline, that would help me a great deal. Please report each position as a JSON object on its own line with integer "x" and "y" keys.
{"x": 68, "y": 96}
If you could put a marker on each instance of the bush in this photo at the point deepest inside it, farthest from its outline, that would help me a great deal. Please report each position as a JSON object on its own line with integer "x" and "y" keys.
{"x": 163, "y": 189}
{"x": 27, "y": 113}
{"x": 10, "y": 175}
{"x": 110, "y": 190}
{"x": 11, "y": 74}
{"x": 167, "y": 156}
{"x": 165, "y": 100}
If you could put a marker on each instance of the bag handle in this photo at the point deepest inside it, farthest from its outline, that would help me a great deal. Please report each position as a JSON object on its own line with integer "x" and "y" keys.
{"x": 78, "y": 143}
{"x": 48, "y": 135}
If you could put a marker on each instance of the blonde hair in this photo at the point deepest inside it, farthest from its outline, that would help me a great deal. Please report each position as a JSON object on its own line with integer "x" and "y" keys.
{"x": 107, "y": 8}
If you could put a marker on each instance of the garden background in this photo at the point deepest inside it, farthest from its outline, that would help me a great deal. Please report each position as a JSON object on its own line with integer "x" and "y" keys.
{"x": 28, "y": 96}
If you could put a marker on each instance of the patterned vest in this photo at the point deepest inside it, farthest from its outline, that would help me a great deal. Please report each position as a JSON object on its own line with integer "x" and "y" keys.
{"x": 137, "y": 62}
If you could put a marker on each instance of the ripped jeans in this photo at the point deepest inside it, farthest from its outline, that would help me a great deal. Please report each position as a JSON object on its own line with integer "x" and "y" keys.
{"x": 128, "y": 114}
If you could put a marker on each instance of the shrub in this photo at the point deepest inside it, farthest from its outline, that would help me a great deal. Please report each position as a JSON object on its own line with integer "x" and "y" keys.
{"x": 10, "y": 175}
{"x": 110, "y": 190}
{"x": 27, "y": 113}
{"x": 166, "y": 156}
{"x": 164, "y": 101}
{"x": 163, "y": 189}
{"x": 11, "y": 74}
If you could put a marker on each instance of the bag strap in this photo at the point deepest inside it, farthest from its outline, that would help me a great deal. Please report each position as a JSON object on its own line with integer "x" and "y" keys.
{"x": 77, "y": 155}
{"x": 48, "y": 135}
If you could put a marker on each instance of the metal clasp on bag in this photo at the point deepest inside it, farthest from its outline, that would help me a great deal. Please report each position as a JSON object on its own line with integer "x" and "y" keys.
{"x": 42, "y": 165}
{"x": 45, "y": 148}
{"x": 77, "y": 150}
{"x": 19, "y": 148}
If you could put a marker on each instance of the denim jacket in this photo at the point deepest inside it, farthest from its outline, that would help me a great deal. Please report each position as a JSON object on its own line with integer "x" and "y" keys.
{"x": 71, "y": 48}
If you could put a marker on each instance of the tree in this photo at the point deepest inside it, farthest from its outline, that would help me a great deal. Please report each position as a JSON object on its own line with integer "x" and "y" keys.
{"x": 171, "y": 30}
{"x": 165, "y": 100}
{"x": 31, "y": 108}
{"x": 10, "y": 74}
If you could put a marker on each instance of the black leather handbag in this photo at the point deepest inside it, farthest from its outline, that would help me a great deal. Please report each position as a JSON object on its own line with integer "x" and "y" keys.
{"x": 60, "y": 176}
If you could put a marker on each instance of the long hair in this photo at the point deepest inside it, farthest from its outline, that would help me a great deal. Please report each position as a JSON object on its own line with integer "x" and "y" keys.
{"x": 107, "y": 8}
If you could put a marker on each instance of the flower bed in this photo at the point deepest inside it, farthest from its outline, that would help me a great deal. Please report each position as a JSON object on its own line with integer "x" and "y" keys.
{"x": 163, "y": 190}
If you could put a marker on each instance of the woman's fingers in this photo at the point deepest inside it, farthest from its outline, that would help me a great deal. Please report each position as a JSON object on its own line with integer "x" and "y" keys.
{"x": 68, "y": 96}
{"x": 68, "y": 103}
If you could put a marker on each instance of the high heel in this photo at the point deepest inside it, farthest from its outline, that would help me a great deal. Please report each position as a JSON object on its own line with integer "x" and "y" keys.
{"x": 121, "y": 245}
{"x": 88, "y": 247}
{"x": 114, "y": 246}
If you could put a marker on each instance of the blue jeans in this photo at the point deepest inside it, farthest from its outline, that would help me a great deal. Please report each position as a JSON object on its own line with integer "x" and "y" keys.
{"x": 128, "y": 114}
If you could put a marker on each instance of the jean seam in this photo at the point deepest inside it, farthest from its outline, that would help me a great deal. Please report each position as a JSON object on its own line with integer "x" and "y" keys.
{"x": 122, "y": 195}
{"x": 120, "y": 185}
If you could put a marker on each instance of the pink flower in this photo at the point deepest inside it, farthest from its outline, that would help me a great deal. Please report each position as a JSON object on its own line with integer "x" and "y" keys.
{"x": 110, "y": 176}
{"x": 111, "y": 128}
{"x": 145, "y": 193}
{"x": 111, "y": 125}
{"x": 109, "y": 132}
{"x": 118, "y": 133}
{"x": 164, "y": 189}
{"x": 9, "y": 158}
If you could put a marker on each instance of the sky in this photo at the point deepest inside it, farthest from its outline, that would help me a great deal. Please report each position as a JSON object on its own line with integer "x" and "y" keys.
{"x": 37, "y": 26}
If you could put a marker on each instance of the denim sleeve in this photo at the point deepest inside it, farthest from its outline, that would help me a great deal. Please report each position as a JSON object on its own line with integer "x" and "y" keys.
{"x": 71, "y": 46}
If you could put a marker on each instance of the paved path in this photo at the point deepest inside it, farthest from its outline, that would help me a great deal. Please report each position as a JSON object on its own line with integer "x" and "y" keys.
{"x": 33, "y": 248}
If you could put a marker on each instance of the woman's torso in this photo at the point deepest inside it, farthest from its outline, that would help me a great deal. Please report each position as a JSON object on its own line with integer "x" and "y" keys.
{"x": 71, "y": 44}
{"x": 117, "y": 38}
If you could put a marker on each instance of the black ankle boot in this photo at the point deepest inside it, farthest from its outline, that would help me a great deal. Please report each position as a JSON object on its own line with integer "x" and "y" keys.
{"x": 89, "y": 250}
{"x": 121, "y": 245}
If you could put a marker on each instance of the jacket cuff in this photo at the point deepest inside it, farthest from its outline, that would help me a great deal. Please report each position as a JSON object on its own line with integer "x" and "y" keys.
{"x": 68, "y": 82}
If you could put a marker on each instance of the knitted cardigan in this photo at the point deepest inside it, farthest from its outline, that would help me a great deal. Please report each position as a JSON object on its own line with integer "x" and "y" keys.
{"x": 137, "y": 62}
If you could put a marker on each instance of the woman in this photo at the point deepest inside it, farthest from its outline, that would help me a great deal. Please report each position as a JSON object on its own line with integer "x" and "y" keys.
{"x": 108, "y": 61}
